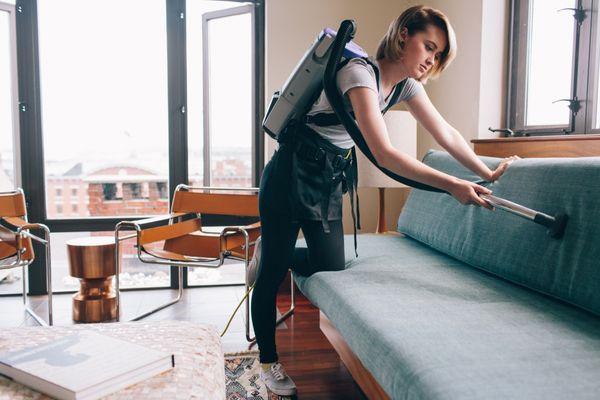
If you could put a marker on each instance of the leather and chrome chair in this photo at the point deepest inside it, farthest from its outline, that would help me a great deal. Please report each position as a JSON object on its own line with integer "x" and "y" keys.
{"x": 180, "y": 239}
{"x": 16, "y": 248}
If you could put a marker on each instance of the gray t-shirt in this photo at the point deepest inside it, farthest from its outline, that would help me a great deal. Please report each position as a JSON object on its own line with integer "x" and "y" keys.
{"x": 357, "y": 73}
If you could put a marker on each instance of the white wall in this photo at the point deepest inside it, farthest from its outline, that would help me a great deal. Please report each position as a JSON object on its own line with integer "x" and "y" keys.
{"x": 494, "y": 66}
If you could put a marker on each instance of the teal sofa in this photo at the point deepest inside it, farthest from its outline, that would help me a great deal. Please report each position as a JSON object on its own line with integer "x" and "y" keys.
{"x": 475, "y": 304}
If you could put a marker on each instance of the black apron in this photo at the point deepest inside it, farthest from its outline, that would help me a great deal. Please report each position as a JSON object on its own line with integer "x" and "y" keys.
{"x": 320, "y": 173}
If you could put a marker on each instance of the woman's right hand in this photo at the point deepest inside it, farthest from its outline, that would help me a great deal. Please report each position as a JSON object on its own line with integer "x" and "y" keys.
{"x": 468, "y": 193}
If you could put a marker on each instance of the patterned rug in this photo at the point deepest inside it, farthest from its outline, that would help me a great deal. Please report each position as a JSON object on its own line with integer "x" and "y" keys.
{"x": 241, "y": 378}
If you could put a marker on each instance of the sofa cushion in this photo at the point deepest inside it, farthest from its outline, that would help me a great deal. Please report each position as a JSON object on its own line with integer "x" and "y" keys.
{"x": 512, "y": 247}
{"x": 428, "y": 326}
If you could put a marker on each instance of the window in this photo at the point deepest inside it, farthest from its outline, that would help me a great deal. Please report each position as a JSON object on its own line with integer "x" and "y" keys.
{"x": 74, "y": 192}
{"x": 10, "y": 279}
{"x": 163, "y": 190}
{"x": 220, "y": 145}
{"x": 550, "y": 89}
{"x": 8, "y": 100}
{"x": 74, "y": 208}
{"x": 59, "y": 209}
{"x": 58, "y": 192}
{"x": 105, "y": 105}
{"x": 109, "y": 191}
{"x": 132, "y": 190}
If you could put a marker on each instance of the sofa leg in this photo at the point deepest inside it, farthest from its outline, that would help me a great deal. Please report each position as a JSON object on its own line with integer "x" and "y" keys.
{"x": 361, "y": 375}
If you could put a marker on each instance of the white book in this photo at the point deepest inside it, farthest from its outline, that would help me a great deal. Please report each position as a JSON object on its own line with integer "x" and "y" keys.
{"x": 83, "y": 366}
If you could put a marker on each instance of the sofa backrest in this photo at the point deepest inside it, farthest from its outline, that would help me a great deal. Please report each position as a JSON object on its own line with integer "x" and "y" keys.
{"x": 512, "y": 247}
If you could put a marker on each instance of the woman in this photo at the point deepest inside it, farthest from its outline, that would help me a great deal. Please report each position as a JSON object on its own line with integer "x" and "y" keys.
{"x": 302, "y": 185}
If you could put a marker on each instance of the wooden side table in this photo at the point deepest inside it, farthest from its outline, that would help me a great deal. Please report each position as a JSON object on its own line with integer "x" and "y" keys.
{"x": 92, "y": 260}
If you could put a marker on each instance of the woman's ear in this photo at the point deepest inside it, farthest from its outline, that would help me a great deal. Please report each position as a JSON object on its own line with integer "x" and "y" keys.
{"x": 404, "y": 33}
{"x": 403, "y": 37}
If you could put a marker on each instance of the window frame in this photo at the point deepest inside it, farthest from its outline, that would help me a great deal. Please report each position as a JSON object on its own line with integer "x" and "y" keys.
{"x": 579, "y": 123}
{"x": 594, "y": 75}
{"x": 16, "y": 148}
{"x": 31, "y": 139}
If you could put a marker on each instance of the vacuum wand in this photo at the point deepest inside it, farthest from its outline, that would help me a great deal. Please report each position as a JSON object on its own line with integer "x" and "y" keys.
{"x": 556, "y": 225}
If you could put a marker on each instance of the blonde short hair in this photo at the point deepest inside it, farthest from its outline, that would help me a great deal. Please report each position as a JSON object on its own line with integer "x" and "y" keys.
{"x": 417, "y": 19}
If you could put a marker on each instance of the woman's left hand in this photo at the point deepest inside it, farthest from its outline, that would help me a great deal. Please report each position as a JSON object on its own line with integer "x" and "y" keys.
{"x": 502, "y": 167}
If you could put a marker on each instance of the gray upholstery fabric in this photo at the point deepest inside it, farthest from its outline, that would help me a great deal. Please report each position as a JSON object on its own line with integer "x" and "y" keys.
{"x": 512, "y": 247}
{"x": 428, "y": 326}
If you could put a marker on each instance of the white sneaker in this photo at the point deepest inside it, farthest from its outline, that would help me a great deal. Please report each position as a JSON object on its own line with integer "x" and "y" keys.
{"x": 277, "y": 381}
{"x": 253, "y": 264}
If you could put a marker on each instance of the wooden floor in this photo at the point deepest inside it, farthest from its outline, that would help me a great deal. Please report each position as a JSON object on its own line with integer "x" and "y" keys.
{"x": 303, "y": 349}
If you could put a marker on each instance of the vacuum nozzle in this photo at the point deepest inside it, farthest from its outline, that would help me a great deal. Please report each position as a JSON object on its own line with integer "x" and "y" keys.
{"x": 556, "y": 225}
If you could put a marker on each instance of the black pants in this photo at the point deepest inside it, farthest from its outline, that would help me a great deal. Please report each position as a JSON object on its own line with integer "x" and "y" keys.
{"x": 279, "y": 230}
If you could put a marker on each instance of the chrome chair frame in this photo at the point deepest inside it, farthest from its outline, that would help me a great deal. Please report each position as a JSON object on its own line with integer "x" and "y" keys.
{"x": 23, "y": 233}
{"x": 195, "y": 262}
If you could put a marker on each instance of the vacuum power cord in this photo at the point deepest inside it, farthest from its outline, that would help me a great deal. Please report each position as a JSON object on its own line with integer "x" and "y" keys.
{"x": 236, "y": 310}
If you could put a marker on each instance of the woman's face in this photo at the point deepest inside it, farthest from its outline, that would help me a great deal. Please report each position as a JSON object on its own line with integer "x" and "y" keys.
{"x": 422, "y": 50}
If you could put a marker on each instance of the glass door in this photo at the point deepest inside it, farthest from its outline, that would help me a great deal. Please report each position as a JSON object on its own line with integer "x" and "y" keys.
{"x": 221, "y": 98}
{"x": 10, "y": 280}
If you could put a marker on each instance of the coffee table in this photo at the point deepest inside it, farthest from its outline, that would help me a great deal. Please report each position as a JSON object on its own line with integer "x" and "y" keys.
{"x": 199, "y": 371}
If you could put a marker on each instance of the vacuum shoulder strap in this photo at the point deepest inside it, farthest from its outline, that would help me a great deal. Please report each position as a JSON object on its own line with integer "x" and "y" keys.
{"x": 331, "y": 119}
